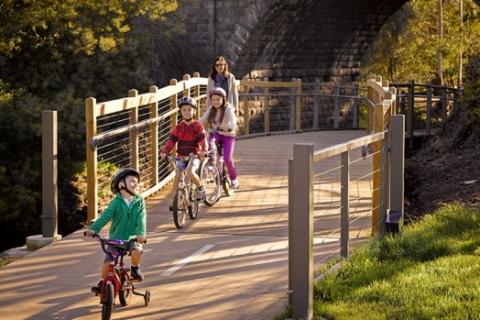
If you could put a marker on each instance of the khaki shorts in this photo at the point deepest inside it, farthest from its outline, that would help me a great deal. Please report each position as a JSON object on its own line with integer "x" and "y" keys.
{"x": 132, "y": 246}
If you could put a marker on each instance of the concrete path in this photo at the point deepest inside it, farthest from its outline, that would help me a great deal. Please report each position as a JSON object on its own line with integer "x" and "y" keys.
{"x": 230, "y": 263}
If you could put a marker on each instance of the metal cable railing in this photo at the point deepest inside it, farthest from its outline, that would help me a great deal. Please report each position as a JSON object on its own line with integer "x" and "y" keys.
{"x": 353, "y": 187}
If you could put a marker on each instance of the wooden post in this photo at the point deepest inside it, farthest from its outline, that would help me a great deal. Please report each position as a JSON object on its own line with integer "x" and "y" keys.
{"x": 444, "y": 100}
{"x": 345, "y": 225}
{"x": 92, "y": 182}
{"x": 298, "y": 105}
{"x": 355, "y": 106}
{"x": 196, "y": 94}
{"x": 300, "y": 222}
{"x": 428, "y": 124}
{"x": 397, "y": 156}
{"x": 316, "y": 104}
{"x": 292, "y": 107}
{"x": 246, "y": 114}
{"x": 133, "y": 134}
{"x": 336, "y": 110}
{"x": 186, "y": 89}
{"x": 384, "y": 184}
{"x": 266, "y": 109}
{"x": 154, "y": 150}
{"x": 402, "y": 102}
{"x": 173, "y": 105}
{"x": 411, "y": 111}
{"x": 49, "y": 174}
{"x": 290, "y": 231}
{"x": 377, "y": 174}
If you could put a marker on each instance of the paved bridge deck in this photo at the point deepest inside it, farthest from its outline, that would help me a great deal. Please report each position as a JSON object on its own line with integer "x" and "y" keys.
{"x": 231, "y": 263}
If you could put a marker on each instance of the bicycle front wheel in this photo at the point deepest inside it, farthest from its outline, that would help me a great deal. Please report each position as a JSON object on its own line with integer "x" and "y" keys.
{"x": 193, "y": 207}
{"x": 211, "y": 182}
{"x": 179, "y": 208}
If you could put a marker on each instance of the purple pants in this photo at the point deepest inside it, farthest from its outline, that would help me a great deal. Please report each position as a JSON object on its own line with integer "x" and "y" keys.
{"x": 228, "y": 144}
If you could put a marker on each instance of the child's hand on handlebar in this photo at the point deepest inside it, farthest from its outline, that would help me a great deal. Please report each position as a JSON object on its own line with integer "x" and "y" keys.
{"x": 89, "y": 233}
{"x": 141, "y": 239}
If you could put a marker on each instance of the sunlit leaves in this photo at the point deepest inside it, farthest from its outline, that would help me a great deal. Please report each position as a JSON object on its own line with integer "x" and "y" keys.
{"x": 408, "y": 45}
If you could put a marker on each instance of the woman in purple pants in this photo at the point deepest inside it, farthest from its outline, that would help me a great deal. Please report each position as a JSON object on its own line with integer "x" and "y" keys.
{"x": 221, "y": 121}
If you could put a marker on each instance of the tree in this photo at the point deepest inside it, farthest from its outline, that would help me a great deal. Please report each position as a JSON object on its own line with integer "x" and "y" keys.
{"x": 54, "y": 54}
{"x": 408, "y": 45}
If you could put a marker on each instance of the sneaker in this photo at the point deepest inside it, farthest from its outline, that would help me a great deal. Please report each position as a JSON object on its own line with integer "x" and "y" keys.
{"x": 136, "y": 274}
{"x": 235, "y": 184}
{"x": 200, "y": 194}
{"x": 97, "y": 288}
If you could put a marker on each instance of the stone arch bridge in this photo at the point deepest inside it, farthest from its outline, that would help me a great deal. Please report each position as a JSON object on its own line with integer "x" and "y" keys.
{"x": 324, "y": 39}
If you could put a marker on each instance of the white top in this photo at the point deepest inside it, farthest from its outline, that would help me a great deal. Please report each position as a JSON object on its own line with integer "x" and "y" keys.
{"x": 228, "y": 127}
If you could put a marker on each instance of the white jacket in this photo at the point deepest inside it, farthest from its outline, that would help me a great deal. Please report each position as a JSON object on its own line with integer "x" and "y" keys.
{"x": 228, "y": 127}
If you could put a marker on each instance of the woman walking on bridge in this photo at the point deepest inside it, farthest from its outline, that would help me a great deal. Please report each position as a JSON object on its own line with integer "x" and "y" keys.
{"x": 221, "y": 77}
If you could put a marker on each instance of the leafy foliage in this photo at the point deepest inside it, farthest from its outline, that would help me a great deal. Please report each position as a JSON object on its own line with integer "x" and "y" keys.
{"x": 407, "y": 47}
{"x": 54, "y": 54}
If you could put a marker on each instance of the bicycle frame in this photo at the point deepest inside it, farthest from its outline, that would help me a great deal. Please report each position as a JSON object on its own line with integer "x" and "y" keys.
{"x": 116, "y": 270}
{"x": 117, "y": 275}
{"x": 185, "y": 183}
{"x": 185, "y": 195}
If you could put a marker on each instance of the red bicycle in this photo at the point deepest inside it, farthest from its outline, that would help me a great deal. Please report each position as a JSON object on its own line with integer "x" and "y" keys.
{"x": 119, "y": 281}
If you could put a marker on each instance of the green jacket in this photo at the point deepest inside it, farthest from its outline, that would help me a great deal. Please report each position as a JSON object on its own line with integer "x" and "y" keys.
{"x": 128, "y": 221}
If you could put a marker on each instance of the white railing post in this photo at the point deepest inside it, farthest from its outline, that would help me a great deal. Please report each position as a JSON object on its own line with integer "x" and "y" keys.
{"x": 301, "y": 230}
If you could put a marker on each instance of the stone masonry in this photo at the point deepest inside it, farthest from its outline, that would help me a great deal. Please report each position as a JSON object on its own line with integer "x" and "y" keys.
{"x": 322, "y": 39}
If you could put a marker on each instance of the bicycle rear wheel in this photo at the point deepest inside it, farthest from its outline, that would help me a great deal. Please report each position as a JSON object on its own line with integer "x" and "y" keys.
{"x": 107, "y": 301}
{"x": 211, "y": 182}
{"x": 125, "y": 293}
{"x": 179, "y": 208}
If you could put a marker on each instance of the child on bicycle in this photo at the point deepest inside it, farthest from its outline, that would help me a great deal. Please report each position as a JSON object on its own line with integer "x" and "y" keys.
{"x": 221, "y": 120}
{"x": 190, "y": 138}
{"x": 128, "y": 220}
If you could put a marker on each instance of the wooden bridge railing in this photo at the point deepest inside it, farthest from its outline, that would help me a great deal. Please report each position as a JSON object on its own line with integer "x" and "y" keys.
{"x": 131, "y": 130}
{"x": 425, "y": 105}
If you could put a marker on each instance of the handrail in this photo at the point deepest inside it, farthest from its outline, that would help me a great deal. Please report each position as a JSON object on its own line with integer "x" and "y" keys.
{"x": 130, "y": 131}
{"x": 347, "y": 146}
{"x": 386, "y": 143}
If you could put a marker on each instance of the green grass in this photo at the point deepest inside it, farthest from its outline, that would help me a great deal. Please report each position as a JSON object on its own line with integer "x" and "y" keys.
{"x": 431, "y": 271}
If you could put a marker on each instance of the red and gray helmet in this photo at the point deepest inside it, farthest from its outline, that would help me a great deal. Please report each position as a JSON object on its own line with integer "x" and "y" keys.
{"x": 186, "y": 100}
{"x": 218, "y": 91}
